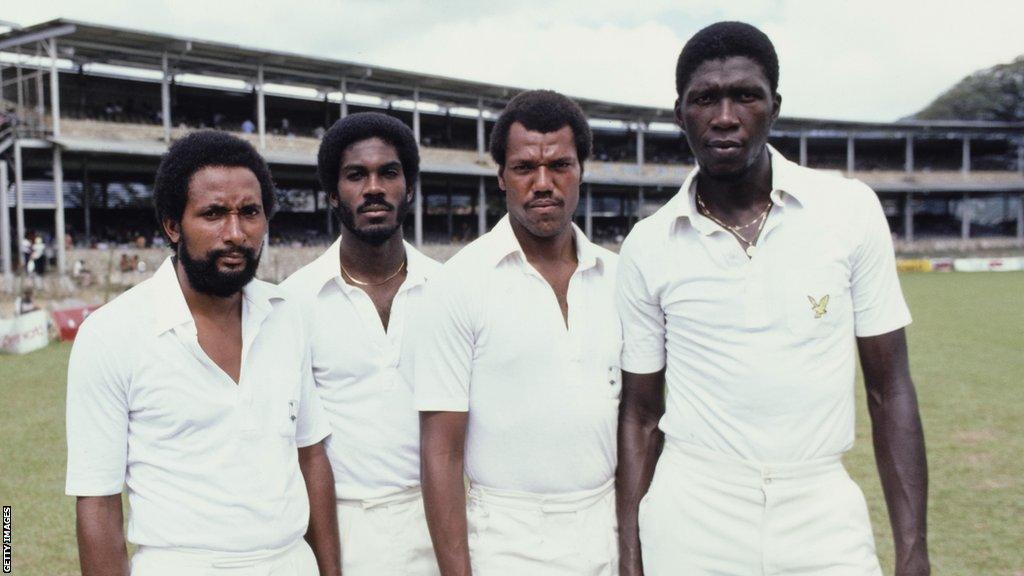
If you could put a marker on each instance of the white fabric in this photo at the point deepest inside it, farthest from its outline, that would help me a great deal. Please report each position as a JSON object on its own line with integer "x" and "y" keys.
{"x": 296, "y": 559}
{"x": 542, "y": 400}
{"x": 752, "y": 369}
{"x": 709, "y": 514}
{"x": 374, "y": 448}
{"x": 386, "y": 536}
{"x": 573, "y": 534}
{"x": 209, "y": 464}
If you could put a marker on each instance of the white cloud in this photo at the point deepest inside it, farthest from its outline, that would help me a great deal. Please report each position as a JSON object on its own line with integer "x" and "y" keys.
{"x": 871, "y": 59}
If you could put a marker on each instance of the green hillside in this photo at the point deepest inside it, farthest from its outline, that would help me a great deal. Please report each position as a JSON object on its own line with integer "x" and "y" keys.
{"x": 995, "y": 94}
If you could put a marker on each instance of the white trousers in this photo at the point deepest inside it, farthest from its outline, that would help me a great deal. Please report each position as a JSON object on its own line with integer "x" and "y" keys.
{"x": 386, "y": 536}
{"x": 294, "y": 560}
{"x": 516, "y": 533}
{"x": 707, "y": 513}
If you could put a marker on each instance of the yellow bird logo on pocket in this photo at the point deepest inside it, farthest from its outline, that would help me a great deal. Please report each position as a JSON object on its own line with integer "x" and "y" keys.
{"x": 818, "y": 306}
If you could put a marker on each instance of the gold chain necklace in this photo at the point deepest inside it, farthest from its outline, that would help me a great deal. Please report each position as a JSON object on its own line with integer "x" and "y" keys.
{"x": 384, "y": 281}
{"x": 750, "y": 246}
{"x": 737, "y": 228}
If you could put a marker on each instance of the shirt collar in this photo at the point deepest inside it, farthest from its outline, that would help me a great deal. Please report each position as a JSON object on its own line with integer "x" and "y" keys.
{"x": 506, "y": 244}
{"x": 326, "y": 267}
{"x": 786, "y": 183}
{"x": 172, "y": 310}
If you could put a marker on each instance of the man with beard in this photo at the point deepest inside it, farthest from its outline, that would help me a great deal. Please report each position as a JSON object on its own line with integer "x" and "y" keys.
{"x": 357, "y": 297}
{"x": 744, "y": 301}
{"x": 194, "y": 389}
{"x": 517, "y": 369}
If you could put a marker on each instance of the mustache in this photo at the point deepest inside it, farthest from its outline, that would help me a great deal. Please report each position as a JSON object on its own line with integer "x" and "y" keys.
{"x": 374, "y": 204}
{"x": 244, "y": 251}
{"x": 545, "y": 202}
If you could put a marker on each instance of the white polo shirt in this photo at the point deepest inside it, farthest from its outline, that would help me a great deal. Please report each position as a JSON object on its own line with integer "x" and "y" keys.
{"x": 375, "y": 445}
{"x": 209, "y": 464}
{"x": 542, "y": 399}
{"x": 759, "y": 364}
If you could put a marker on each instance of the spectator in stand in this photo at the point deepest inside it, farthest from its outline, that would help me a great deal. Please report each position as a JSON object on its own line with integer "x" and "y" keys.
{"x": 248, "y": 127}
{"x": 38, "y": 256}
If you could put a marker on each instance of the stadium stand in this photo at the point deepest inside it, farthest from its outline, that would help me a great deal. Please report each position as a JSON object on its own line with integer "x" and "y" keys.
{"x": 88, "y": 109}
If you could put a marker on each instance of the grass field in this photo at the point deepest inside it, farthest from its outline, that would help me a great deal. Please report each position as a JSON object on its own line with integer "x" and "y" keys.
{"x": 967, "y": 356}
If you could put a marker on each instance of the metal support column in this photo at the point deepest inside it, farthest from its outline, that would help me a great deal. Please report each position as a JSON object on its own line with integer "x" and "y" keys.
{"x": 165, "y": 98}
{"x": 87, "y": 202}
{"x": 588, "y": 213}
{"x": 416, "y": 114}
{"x": 449, "y": 217}
{"x": 344, "y": 98}
{"x": 965, "y": 162}
{"x": 58, "y": 197}
{"x": 58, "y": 165}
{"x": 481, "y": 146}
{"x": 640, "y": 145}
{"x": 851, "y": 158}
{"x": 803, "y": 149}
{"x": 330, "y": 216}
{"x": 481, "y": 208}
{"x": 418, "y": 213}
{"x": 19, "y": 203}
{"x": 908, "y": 162}
{"x": 261, "y": 109}
{"x": 908, "y": 217}
{"x": 965, "y": 217}
{"x": 1020, "y": 160}
{"x": 5, "y": 227}
{"x": 639, "y": 203}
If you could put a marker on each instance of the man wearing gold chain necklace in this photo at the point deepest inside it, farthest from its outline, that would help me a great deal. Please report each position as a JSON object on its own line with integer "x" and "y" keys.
{"x": 357, "y": 297}
{"x": 742, "y": 301}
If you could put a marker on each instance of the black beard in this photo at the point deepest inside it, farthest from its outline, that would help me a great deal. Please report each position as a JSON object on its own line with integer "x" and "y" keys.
{"x": 377, "y": 235}
{"x": 205, "y": 278}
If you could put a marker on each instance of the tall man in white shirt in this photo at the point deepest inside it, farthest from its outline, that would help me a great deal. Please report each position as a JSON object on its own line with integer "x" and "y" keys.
{"x": 517, "y": 369}
{"x": 357, "y": 297}
{"x": 194, "y": 390}
{"x": 742, "y": 302}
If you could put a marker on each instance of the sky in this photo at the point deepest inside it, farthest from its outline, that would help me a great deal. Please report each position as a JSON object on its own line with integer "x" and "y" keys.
{"x": 853, "y": 60}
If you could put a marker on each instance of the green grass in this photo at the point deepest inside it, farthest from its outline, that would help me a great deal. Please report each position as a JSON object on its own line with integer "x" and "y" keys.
{"x": 967, "y": 356}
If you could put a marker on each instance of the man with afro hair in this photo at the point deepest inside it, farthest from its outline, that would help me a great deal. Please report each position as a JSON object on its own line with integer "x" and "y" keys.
{"x": 744, "y": 302}
{"x": 357, "y": 297}
{"x": 517, "y": 369}
{"x": 193, "y": 390}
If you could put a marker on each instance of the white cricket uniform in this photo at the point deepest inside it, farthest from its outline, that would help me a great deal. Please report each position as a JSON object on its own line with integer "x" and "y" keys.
{"x": 374, "y": 448}
{"x": 542, "y": 402}
{"x": 760, "y": 358}
{"x": 211, "y": 466}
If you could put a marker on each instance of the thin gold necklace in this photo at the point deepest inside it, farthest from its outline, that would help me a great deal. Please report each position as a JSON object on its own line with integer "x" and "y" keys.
{"x": 749, "y": 246}
{"x": 382, "y": 282}
{"x": 738, "y": 227}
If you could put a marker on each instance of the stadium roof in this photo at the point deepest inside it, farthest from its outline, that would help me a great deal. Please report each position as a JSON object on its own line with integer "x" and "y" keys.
{"x": 84, "y": 42}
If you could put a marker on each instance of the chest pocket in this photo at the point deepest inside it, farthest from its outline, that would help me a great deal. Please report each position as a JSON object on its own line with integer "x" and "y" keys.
{"x": 816, "y": 302}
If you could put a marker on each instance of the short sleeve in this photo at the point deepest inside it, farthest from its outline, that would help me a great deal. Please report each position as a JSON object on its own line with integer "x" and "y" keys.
{"x": 878, "y": 304}
{"x": 96, "y": 416}
{"x": 312, "y": 424}
{"x": 643, "y": 320}
{"x": 443, "y": 337}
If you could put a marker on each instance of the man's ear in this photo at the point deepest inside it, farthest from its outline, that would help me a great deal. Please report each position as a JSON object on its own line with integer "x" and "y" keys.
{"x": 501, "y": 178}
{"x": 172, "y": 228}
{"x": 332, "y": 199}
{"x": 777, "y": 101}
{"x": 678, "y": 109}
